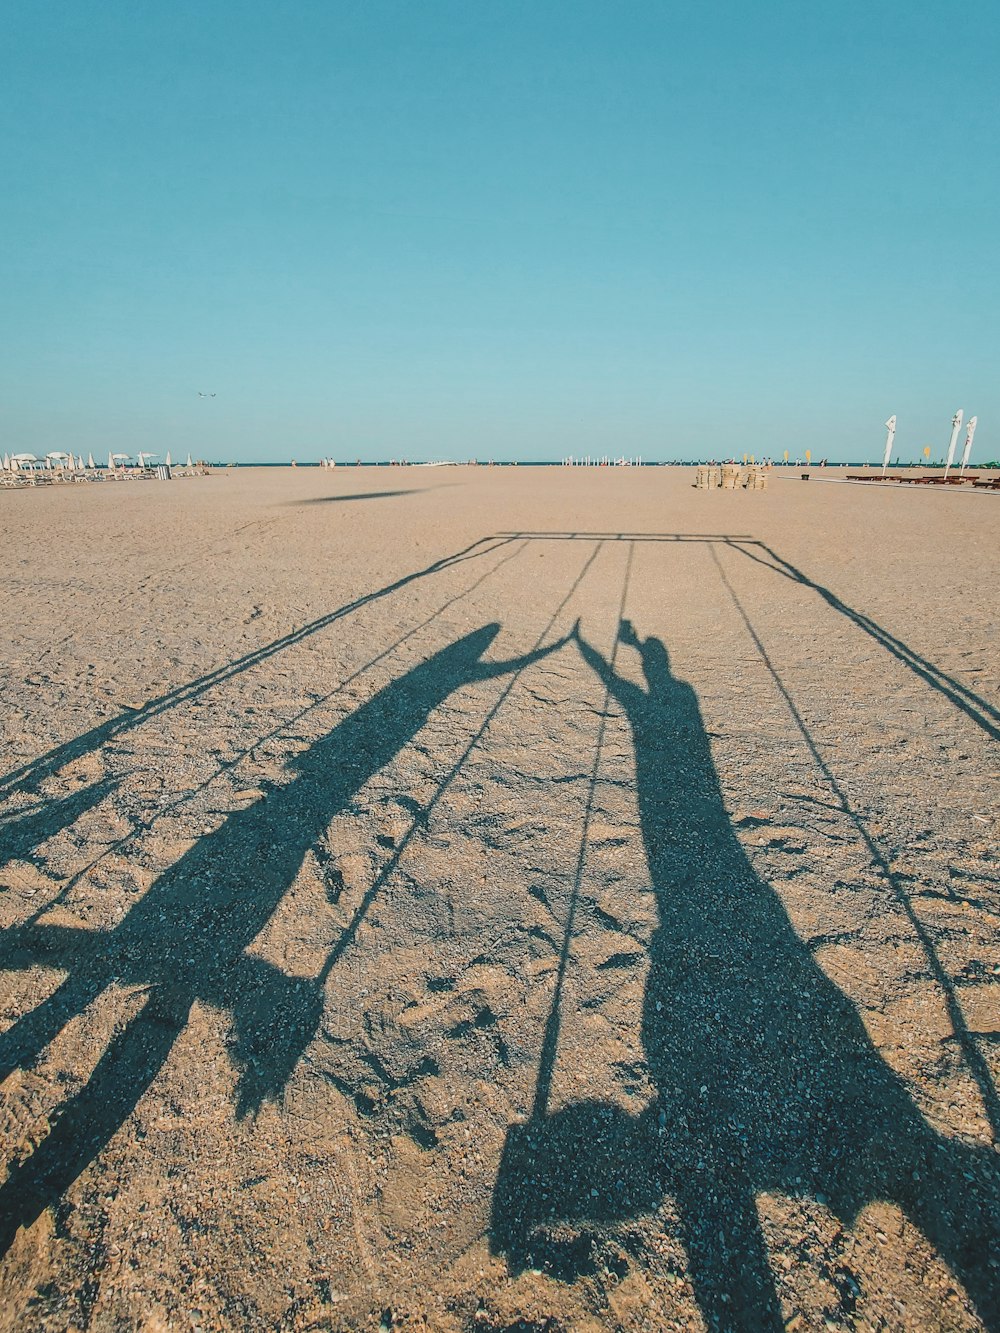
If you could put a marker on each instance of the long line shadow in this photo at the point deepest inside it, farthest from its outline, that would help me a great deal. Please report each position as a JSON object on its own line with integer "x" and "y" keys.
{"x": 765, "y": 1078}
{"x": 983, "y": 713}
{"x": 186, "y": 939}
{"x": 35, "y": 770}
{"x": 45, "y": 822}
{"x": 585, "y": 536}
{"x": 361, "y": 495}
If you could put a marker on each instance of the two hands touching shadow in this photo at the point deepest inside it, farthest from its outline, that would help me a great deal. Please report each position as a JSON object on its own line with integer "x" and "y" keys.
{"x": 765, "y": 1078}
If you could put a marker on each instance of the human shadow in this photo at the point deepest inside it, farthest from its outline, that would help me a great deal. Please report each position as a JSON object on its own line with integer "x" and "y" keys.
{"x": 765, "y": 1078}
{"x": 186, "y": 938}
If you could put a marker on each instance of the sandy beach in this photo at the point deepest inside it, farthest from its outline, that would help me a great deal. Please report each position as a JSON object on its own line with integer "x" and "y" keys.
{"x": 499, "y": 899}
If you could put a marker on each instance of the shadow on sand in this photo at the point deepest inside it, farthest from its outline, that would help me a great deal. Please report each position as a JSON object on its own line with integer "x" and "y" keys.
{"x": 186, "y": 938}
{"x": 29, "y": 775}
{"x": 361, "y": 495}
{"x": 766, "y": 1079}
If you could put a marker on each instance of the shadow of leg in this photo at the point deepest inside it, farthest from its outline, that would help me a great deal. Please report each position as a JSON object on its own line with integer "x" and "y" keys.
{"x": 565, "y": 1178}
{"x": 88, "y": 1121}
{"x": 727, "y": 1257}
{"x": 955, "y": 1201}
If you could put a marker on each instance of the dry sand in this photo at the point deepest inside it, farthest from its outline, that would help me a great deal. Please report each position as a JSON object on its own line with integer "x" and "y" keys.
{"x": 380, "y": 949}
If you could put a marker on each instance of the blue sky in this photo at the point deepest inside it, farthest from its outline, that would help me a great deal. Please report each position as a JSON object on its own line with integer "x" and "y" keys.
{"x": 498, "y": 229}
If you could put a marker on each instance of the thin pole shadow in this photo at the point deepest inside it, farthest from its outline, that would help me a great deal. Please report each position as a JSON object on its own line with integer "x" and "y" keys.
{"x": 766, "y": 1080}
{"x": 361, "y": 495}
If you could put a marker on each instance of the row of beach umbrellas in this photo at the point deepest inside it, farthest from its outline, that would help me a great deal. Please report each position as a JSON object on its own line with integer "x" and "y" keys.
{"x": 59, "y": 460}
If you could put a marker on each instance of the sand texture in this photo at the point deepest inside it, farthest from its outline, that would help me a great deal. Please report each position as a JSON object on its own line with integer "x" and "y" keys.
{"x": 499, "y": 899}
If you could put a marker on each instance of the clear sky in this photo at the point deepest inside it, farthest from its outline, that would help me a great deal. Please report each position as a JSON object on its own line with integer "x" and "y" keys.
{"x": 498, "y": 228}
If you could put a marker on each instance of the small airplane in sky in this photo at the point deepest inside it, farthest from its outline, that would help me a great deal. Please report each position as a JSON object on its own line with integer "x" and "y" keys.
{"x": 205, "y": 395}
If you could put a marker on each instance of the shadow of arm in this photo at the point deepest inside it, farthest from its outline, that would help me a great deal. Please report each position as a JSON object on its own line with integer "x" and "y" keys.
{"x": 23, "y": 947}
{"x": 623, "y": 691}
{"x": 488, "y": 670}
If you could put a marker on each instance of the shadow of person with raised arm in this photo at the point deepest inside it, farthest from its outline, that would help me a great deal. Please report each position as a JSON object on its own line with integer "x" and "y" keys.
{"x": 766, "y": 1079}
{"x": 186, "y": 939}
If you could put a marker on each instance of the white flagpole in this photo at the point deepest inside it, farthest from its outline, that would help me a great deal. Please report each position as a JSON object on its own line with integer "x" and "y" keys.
{"x": 956, "y": 426}
{"x": 970, "y": 430}
{"x": 890, "y": 426}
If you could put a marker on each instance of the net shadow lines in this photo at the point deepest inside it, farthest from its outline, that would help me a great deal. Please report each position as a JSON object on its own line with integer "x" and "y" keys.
{"x": 69, "y": 811}
{"x": 979, "y": 710}
{"x": 34, "y": 771}
{"x": 349, "y": 932}
{"x": 983, "y": 713}
{"x": 186, "y": 938}
{"x": 971, "y": 1055}
{"x": 633, "y": 537}
{"x": 550, "y": 1040}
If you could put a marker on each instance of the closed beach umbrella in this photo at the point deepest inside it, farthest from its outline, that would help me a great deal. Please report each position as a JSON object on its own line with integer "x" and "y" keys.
{"x": 6, "y": 462}
{"x": 189, "y": 463}
{"x": 956, "y": 426}
{"x": 169, "y": 464}
{"x": 111, "y": 462}
{"x": 970, "y": 430}
{"x": 890, "y": 426}
{"x": 90, "y": 460}
{"x": 79, "y": 462}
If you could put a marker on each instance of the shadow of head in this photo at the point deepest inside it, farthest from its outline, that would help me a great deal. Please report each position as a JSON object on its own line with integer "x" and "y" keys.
{"x": 564, "y": 1178}
{"x": 275, "y": 1017}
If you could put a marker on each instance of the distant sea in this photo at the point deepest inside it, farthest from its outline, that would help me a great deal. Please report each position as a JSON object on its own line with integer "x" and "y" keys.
{"x": 557, "y": 462}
